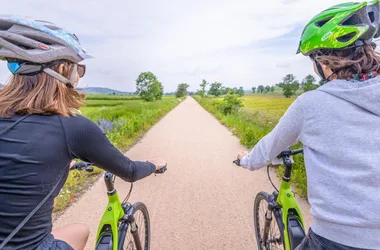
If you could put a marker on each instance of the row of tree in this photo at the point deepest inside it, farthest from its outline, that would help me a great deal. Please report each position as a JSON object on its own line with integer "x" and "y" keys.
{"x": 290, "y": 84}
{"x": 262, "y": 89}
{"x": 217, "y": 89}
{"x": 150, "y": 89}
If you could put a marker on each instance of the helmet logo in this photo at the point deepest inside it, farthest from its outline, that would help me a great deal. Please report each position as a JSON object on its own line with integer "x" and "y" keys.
{"x": 324, "y": 38}
{"x": 44, "y": 46}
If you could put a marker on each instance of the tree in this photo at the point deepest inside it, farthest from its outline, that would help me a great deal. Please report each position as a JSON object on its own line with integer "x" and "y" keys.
{"x": 272, "y": 89}
{"x": 230, "y": 104}
{"x": 148, "y": 87}
{"x": 260, "y": 89}
{"x": 203, "y": 86}
{"x": 253, "y": 89}
{"x": 215, "y": 89}
{"x": 181, "y": 90}
{"x": 267, "y": 88}
{"x": 240, "y": 91}
{"x": 289, "y": 85}
{"x": 308, "y": 83}
{"x": 323, "y": 81}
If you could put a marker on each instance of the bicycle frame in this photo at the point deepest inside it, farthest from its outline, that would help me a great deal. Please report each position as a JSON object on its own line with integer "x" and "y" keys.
{"x": 289, "y": 206}
{"x": 111, "y": 216}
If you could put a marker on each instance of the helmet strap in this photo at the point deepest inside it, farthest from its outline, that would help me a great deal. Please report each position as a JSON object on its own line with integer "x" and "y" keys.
{"x": 321, "y": 73}
{"x": 320, "y": 70}
{"x": 59, "y": 77}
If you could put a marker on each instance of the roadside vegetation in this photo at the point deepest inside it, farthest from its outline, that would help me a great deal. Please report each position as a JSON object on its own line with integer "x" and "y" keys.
{"x": 251, "y": 117}
{"x": 124, "y": 118}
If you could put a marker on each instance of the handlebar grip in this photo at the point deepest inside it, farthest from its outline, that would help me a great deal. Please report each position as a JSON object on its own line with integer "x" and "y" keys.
{"x": 161, "y": 170}
{"x": 237, "y": 162}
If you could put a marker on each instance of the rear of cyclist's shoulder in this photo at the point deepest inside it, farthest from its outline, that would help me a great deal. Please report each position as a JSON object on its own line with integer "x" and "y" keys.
{"x": 309, "y": 97}
{"x": 79, "y": 122}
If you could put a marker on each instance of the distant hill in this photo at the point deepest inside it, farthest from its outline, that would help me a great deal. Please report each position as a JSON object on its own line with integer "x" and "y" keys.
{"x": 1, "y": 85}
{"x": 99, "y": 90}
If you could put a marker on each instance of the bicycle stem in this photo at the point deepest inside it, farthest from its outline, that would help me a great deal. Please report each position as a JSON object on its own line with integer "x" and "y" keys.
{"x": 109, "y": 184}
{"x": 288, "y": 168}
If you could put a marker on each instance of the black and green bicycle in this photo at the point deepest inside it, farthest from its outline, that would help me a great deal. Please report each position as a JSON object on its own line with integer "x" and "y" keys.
{"x": 123, "y": 225}
{"x": 287, "y": 230}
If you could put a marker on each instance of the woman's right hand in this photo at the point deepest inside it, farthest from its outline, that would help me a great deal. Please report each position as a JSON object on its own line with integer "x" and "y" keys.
{"x": 159, "y": 163}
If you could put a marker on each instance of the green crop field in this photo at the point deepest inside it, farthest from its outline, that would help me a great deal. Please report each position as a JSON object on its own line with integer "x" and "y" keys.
{"x": 124, "y": 119}
{"x": 253, "y": 121}
{"x": 274, "y": 106}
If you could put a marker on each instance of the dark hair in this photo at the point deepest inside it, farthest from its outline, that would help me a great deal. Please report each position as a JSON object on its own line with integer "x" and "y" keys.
{"x": 40, "y": 94}
{"x": 349, "y": 61}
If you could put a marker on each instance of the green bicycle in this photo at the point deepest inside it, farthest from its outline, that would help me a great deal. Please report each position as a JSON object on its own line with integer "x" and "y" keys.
{"x": 121, "y": 219}
{"x": 287, "y": 231}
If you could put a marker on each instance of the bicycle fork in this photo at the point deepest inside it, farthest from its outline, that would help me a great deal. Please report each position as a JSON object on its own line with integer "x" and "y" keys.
{"x": 129, "y": 217}
{"x": 268, "y": 220}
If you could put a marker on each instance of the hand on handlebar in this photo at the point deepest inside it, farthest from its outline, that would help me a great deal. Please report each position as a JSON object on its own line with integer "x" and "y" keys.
{"x": 160, "y": 165}
{"x": 241, "y": 155}
{"x": 82, "y": 166}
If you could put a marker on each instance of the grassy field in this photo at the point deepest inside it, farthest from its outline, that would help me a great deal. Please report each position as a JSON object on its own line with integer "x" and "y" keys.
{"x": 257, "y": 118}
{"x": 125, "y": 121}
{"x": 111, "y": 97}
{"x": 274, "y": 106}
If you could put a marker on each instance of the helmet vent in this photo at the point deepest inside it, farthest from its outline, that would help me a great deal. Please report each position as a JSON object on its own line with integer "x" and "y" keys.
{"x": 352, "y": 20}
{"x": 323, "y": 22}
{"x": 377, "y": 35}
{"x": 5, "y": 25}
{"x": 347, "y": 37}
{"x": 371, "y": 16}
{"x": 52, "y": 27}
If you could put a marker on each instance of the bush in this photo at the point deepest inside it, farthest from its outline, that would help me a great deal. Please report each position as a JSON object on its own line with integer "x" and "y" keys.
{"x": 251, "y": 126}
{"x": 230, "y": 104}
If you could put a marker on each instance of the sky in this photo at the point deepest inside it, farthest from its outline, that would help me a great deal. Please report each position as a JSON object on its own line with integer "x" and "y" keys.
{"x": 236, "y": 42}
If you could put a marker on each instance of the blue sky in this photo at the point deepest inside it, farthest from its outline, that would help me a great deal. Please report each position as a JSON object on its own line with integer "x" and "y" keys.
{"x": 239, "y": 43}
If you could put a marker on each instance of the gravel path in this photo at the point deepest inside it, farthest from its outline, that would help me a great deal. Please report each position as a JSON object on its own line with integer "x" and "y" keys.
{"x": 203, "y": 201}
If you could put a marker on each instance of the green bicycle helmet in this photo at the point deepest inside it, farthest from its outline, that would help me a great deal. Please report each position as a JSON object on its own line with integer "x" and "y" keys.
{"x": 345, "y": 25}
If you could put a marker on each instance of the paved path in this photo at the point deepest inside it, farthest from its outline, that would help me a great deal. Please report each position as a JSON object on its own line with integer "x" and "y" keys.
{"x": 203, "y": 201}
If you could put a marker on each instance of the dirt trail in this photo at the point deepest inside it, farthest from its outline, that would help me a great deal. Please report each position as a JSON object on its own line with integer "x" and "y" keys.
{"x": 203, "y": 201}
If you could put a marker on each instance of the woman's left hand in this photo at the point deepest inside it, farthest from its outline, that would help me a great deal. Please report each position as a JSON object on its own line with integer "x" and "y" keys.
{"x": 242, "y": 154}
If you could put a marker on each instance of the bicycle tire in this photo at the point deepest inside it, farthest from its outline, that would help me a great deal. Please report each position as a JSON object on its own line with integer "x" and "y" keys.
{"x": 126, "y": 239}
{"x": 273, "y": 243}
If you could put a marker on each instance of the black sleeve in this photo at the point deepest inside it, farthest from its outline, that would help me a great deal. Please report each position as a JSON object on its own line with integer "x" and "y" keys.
{"x": 86, "y": 141}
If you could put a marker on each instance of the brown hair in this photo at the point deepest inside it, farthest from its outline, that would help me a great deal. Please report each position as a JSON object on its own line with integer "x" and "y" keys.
{"x": 346, "y": 62}
{"x": 40, "y": 94}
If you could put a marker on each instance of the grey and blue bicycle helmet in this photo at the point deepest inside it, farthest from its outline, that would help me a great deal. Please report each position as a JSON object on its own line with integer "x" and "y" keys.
{"x": 32, "y": 46}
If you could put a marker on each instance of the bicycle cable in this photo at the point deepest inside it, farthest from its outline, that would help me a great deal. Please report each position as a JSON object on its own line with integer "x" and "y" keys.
{"x": 271, "y": 179}
{"x": 129, "y": 194}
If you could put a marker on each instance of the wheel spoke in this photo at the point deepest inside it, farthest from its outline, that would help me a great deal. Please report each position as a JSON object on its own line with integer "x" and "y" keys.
{"x": 274, "y": 240}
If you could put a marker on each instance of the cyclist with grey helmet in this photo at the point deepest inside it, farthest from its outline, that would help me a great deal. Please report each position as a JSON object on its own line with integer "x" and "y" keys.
{"x": 338, "y": 125}
{"x": 41, "y": 132}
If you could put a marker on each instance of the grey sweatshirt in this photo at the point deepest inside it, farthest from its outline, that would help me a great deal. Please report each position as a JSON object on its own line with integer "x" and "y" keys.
{"x": 339, "y": 126}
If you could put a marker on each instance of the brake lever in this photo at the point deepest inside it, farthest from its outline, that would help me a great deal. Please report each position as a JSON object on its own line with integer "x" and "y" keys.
{"x": 161, "y": 170}
{"x": 89, "y": 169}
{"x": 237, "y": 162}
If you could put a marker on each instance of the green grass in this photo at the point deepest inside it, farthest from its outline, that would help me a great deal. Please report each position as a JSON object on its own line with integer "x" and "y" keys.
{"x": 137, "y": 117}
{"x": 273, "y": 106}
{"x": 255, "y": 120}
{"x": 111, "y": 97}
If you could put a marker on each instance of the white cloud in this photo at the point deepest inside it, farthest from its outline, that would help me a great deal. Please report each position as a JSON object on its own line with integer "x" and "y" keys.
{"x": 181, "y": 41}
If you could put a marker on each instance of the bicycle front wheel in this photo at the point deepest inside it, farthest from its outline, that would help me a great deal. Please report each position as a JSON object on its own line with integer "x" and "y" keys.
{"x": 268, "y": 234}
{"x": 141, "y": 217}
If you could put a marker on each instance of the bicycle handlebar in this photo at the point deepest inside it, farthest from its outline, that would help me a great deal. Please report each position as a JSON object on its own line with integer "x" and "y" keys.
{"x": 286, "y": 153}
{"x": 88, "y": 166}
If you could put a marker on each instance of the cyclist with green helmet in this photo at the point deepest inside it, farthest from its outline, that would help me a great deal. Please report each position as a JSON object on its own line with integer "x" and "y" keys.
{"x": 339, "y": 126}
